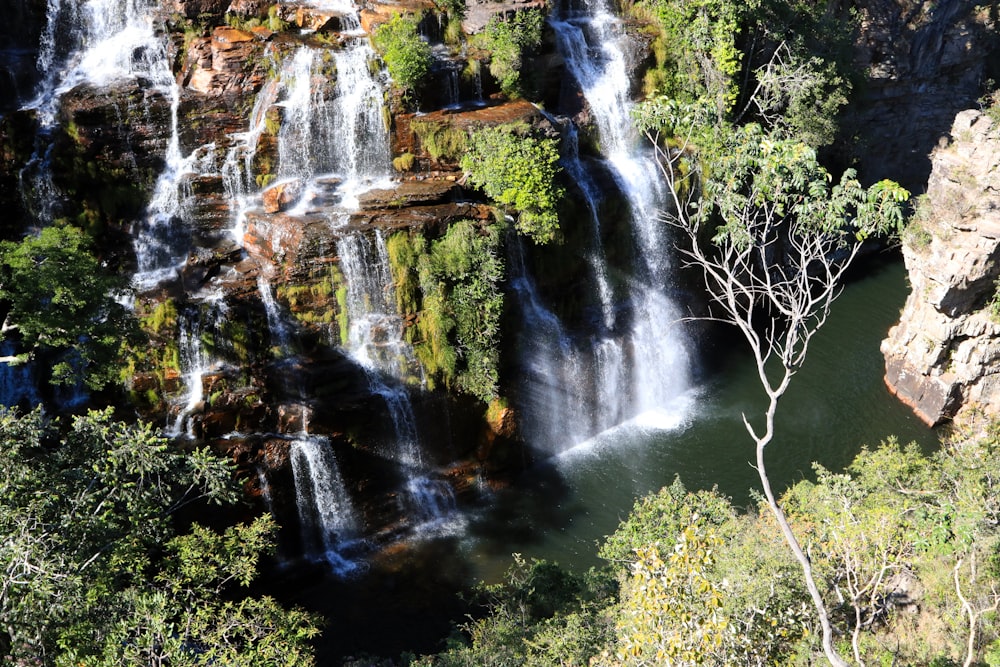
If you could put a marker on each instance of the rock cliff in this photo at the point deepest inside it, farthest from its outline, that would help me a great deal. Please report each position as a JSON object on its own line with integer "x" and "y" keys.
{"x": 923, "y": 62}
{"x": 943, "y": 358}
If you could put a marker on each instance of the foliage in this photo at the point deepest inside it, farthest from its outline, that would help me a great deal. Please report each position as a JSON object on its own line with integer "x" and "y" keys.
{"x": 780, "y": 63}
{"x": 518, "y": 170}
{"x": 404, "y": 51}
{"x": 509, "y": 40}
{"x": 540, "y": 615}
{"x": 61, "y": 309}
{"x": 92, "y": 572}
{"x": 904, "y": 547}
{"x": 459, "y": 303}
{"x": 441, "y": 140}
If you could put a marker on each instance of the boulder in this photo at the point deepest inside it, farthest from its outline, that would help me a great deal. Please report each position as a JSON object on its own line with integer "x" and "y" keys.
{"x": 281, "y": 196}
{"x": 479, "y": 12}
{"x": 192, "y": 9}
{"x": 943, "y": 357}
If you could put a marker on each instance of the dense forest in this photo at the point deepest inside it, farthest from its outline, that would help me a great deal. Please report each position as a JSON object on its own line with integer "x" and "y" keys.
{"x": 161, "y": 443}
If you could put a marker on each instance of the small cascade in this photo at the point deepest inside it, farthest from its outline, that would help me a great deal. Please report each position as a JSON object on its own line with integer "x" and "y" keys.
{"x": 160, "y": 240}
{"x": 265, "y": 490}
{"x": 375, "y": 338}
{"x": 195, "y": 361}
{"x": 326, "y": 514}
{"x": 430, "y": 506}
{"x": 281, "y": 331}
{"x": 237, "y": 169}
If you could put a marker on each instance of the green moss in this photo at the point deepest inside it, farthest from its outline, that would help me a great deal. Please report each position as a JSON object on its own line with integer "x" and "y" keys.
{"x": 441, "y": 139}
{"x": 404, "y": 162}
{"x": 163, "y": 316}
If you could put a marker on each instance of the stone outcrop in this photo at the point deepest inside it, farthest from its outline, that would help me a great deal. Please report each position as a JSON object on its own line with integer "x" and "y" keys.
{"x": 943, "y": 358}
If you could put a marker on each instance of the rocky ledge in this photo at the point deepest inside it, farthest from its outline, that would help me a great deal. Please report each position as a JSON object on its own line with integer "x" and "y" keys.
{"x": 943, "y": 358}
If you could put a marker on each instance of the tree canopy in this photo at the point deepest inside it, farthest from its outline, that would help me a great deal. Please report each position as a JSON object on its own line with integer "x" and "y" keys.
{"x": 59, "y": 306}
{"x": 93, "y": 571}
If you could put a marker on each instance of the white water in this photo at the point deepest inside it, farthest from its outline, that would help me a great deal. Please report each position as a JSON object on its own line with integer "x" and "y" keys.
{"x": 195, "y": 361}
{"x": 635, "y": 365}
{"x": 97, "y": 42}
{"x": 281, "y": 331}
{"x": 431, "y": 507}
{"x": 375, "y": 338}
{"x": 333, "y": 136}
{"x": 326, "y": 514}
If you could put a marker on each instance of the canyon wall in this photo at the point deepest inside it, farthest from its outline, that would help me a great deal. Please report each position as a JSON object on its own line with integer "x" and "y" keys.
{"x": 943, "y": 358}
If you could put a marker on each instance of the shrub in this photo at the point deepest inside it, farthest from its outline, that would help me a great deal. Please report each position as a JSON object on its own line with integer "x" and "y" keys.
{"x": 508, "y": 42}
{"x": 518, "y": 171}
{"x": 405, "y": 53}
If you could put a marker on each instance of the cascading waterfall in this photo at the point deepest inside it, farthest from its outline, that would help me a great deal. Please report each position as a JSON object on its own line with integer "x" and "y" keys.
{"x": 326, "y": 515}
{"x": 95, "y": 42}
{"x": 631, "y": 366}
{"x": 565, "y": 377}
{"x": 195, "y": 360}
{"x": 333, "y": 136}
{"x": 375, "y": 337}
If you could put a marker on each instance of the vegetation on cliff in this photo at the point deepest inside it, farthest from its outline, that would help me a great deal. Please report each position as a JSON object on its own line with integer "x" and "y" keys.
{"x": 452, "y": 286}
{"x": 518, "y": 170}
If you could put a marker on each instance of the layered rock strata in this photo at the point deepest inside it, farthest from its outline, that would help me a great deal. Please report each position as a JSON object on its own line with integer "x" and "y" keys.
{"x": 943, "y": 358}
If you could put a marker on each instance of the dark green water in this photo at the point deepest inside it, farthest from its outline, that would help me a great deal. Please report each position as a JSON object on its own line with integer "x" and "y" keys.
{"x": 561, "y": 509}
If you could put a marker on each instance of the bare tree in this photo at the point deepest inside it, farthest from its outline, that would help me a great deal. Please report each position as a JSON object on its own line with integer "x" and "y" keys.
{"x": 773, "y": 264}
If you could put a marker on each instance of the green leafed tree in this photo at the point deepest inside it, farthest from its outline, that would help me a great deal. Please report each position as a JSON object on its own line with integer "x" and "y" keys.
{"x": 92, "y": 571}
{"x": 519, "y": 172}
{"x": 59, "y": 307}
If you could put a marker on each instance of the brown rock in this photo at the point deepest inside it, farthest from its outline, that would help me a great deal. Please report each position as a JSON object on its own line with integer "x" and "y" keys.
{"x": 408, "y": 193}
{"x": 281, "y": 196}
{"x": 479, "y": 12}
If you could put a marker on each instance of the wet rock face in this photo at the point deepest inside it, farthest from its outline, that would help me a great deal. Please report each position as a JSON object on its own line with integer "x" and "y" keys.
{"x": 20, "y": 31}
{"x": 924, "y": 62}
{"x": 943, "y": 358}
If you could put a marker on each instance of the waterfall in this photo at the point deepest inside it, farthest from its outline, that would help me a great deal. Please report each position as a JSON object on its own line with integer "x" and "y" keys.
{"x": 634, "y": 365}
{"x": 326, "y": 514}
{"x": 281, "y": 332}
{"x": 333, "y": 136}
{"x": 97, "y": 42}
{"x": 194, "y": 322}
{"x": 375, "y": 337}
